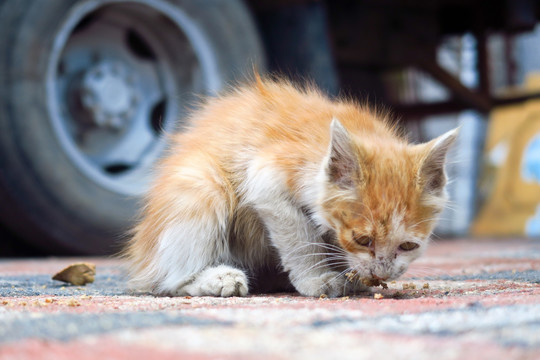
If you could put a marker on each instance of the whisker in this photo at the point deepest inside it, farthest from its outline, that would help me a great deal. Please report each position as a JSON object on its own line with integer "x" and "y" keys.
{"x": 337, "y": 276}
{"x": 426, "y": 220}
{"x": 424, "y": 272}
{"x": 320, "y": 264}
{"x": 452, "y": 207}
{"x": 325, "y": 263}
{"x": 319, "y": 244}
{"x": 314, "y": 254}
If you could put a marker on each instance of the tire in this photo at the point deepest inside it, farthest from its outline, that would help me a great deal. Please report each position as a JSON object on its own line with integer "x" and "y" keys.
{"x": 69, "y": 182}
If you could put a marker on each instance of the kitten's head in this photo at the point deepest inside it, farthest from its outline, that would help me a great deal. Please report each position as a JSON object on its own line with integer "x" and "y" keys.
{"x": 382, "y": 198}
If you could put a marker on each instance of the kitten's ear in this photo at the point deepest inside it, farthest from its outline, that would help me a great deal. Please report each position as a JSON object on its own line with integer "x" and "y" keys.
{"x": 432, "y": 172}
{"x": 342, "y": 164}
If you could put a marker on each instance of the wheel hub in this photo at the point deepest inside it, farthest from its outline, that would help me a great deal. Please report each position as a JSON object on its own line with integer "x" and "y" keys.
{"x": 109, "y": 94}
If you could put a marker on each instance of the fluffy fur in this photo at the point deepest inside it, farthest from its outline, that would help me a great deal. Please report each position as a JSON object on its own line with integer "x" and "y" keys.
{"x": 281, "y": 185}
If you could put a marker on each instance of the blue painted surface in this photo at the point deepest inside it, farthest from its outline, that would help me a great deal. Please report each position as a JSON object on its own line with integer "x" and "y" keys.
{"x": 532, "y": 227}
{"x": 530, "y": 166}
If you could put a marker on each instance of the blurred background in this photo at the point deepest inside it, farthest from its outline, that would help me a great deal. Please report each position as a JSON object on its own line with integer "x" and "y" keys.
{"x": 88, "y": 88}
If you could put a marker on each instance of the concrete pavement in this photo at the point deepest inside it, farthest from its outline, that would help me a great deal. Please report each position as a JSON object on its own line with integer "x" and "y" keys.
{"x": 481, "y": 301}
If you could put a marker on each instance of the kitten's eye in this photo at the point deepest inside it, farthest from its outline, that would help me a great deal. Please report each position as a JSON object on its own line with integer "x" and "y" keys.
{"x": 408, "y": 246}
{"x": 363, "y": 240}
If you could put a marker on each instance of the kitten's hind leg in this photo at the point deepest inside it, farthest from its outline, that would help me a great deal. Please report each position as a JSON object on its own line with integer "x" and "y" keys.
{"x": 184, "y": 235}
{"x": 222, "y": 280}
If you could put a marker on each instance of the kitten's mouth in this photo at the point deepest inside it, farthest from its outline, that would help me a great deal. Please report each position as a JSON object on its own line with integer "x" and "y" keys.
{"x": 378, "y": 278}
{"x": 354, "y": 276}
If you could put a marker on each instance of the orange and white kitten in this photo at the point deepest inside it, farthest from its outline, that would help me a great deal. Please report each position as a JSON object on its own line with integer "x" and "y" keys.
{"x": 271, "y": 180}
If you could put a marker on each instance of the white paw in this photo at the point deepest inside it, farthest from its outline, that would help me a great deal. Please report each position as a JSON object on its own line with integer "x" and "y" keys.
{"x": 221, "y": 281}
{"x": 329, "y": 284}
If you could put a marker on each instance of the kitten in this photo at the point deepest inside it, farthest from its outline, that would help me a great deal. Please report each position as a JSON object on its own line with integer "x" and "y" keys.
{"x": 272, "y": 180}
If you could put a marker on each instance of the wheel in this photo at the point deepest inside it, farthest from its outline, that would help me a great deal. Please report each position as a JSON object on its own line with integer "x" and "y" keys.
{"x": 87, "y": 90}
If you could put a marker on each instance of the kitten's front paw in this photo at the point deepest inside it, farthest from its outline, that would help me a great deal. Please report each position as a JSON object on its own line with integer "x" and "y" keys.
{"x": 221, "y": 281}
{"x": 356, "y": 287}
{"x": 329, "y": 283}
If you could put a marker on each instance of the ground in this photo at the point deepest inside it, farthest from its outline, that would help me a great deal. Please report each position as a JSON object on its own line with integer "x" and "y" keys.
{"x": 473, "y": 299}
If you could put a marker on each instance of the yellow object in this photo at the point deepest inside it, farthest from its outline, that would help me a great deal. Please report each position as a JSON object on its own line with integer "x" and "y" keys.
{"x": 511, "y": 178}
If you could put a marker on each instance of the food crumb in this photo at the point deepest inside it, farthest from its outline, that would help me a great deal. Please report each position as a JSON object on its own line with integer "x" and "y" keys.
{"x": 351, "y": 276}
{"x": 5, "y": 302}
{"x": 344, "y": 298}
{"x": 323, "y": 296}
{"x": 370, "y": 282}
{"x": 49, "y": 300}
{"x": 426, "y": 286}
{"x": 409, "y": 286}
{"x": 374, "y": 282}
{"x": 73, "y": 302}
{"x": 378, "y": 296}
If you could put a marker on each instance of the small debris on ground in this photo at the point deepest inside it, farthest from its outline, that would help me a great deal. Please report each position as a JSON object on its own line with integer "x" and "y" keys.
{"x": 374, "y": 282}
{"x": 77, "y": 274}
{"x": 378, "y": 296}
{"x": 371, "y": 282}
{"x": 73, "y": 302}
{"x": 409, "y": 286}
